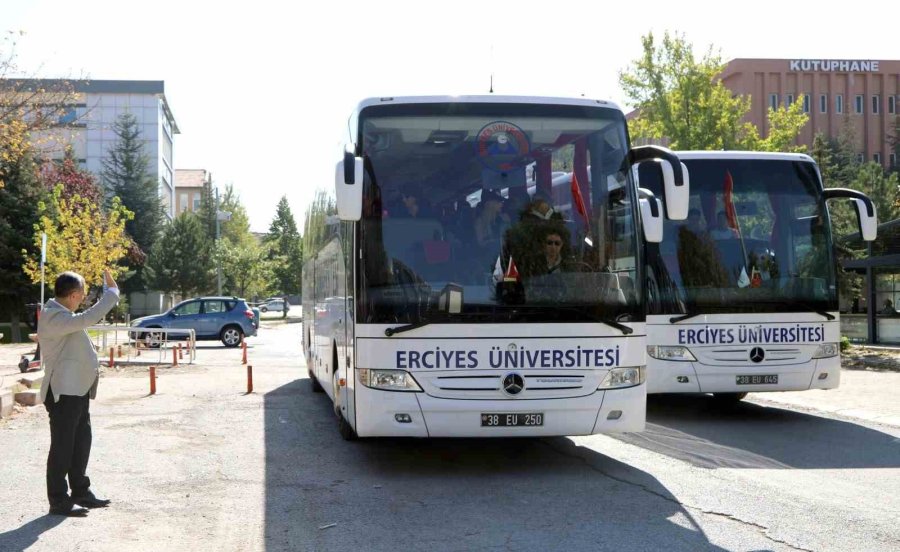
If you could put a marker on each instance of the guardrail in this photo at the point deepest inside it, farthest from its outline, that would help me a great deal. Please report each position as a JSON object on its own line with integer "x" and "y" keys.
{"x": 140, "y": 339}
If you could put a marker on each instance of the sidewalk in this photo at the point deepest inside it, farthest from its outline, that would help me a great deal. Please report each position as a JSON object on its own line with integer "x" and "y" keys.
{"x": 863, "y": 395}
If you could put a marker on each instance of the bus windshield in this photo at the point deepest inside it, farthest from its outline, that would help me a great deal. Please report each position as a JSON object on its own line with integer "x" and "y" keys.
{"x": 757, "y": 239}
{"x": 526, "y": 208}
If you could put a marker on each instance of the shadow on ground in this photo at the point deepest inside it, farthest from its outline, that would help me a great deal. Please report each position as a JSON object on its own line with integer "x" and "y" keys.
{"x": 323, "y": 493}
{"x": 694, "y": 428}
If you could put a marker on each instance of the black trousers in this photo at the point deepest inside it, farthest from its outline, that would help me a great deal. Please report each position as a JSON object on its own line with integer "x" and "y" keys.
{"x": 70, "y": 446}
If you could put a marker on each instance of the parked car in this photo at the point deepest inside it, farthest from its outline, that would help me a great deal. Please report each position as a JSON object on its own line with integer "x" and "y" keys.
{"x": 275, "y": 305}
{"x": 229, "y": 319}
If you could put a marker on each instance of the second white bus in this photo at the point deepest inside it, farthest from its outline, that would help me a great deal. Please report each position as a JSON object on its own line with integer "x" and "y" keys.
{"x": 743, "y": 294}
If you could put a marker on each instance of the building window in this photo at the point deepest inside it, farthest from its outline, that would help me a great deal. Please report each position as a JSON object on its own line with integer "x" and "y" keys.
{"x": 806, "y": 103}
{"x": 68, "y": 116}
{"x": 183, "y": 199}
{"x": 789, "y": 101}
{"x": 877, "y": 158}
{"x": 860, "y": 158}
{"x": 773, "y": 102}
{"x": 196, "y": 203}
{"x": 892, "y": 104}
{"x": 839, "y": 103}
{"x": 823, "y": 103}
{"x": 893, "y": 159}
{"x": 876, "y": 105}
{"x": 859, "y": 103}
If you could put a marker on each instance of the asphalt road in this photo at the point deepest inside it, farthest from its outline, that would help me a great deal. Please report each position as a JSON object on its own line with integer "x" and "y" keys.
{"x": 204, "y": 466}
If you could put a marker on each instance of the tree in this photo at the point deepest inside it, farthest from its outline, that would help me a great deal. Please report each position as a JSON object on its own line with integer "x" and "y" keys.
{"x": 207, "y": 211}
{"x": 73, "y": 179}
{"x": 34, "y": 113}
{"x": 894, "y": 140}
{"x": 237, "y": 229}
{"x": 20, "y": 194}
{"x": 181, "y": 259}
{"x": 684, "y": 101}
{"x": 125, "y": 176}
{"x": 79, "y": 237}
{"x": 247, "y": 267}
{"x": 286, "y": 249}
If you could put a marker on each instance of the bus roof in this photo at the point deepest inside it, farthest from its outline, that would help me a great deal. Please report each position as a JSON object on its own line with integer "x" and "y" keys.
{"x": 488, "y": 98}
{"x": 733, "y": 154}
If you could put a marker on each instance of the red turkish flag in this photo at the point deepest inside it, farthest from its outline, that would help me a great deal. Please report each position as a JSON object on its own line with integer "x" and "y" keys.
{"x": 578, "y": 199}
{"x": 730, "y": 212}
{"x": 512, "y": 273}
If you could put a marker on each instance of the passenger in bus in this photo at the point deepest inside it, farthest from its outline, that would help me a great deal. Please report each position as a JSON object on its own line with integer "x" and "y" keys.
{"x": 554, "y": 245}
{"x": 408, "y": 204}
{"x": 541, "y": 208}
{"x": 486, "y": 226}
{"x": 888, "y": 308}
{"x": 723, "y": 231}
{"x": 694, "y": 222}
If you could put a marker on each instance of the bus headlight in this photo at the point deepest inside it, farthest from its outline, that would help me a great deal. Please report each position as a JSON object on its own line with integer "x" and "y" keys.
{"x": 670, "y": 352}
{"x": 622, "y": 377}
{"x": 387, "y": 380}
{"x": 826, "y": 350}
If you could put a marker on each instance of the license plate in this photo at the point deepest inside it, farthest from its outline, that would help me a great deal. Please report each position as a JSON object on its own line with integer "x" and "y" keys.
{"x": 762, "y": 379}
{"x": 512, "y": 420}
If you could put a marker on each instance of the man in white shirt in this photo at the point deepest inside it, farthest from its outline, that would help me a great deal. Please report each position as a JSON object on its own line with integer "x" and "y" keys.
{"x": 70, "y": 381}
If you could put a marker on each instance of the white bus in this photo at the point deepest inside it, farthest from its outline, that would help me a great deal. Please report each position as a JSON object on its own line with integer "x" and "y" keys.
{"x": 437, "y": 318}
{"x": 743, "y": 294}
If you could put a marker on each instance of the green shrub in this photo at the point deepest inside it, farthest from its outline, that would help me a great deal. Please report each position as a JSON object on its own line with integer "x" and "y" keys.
{"x": 845, "y": 344}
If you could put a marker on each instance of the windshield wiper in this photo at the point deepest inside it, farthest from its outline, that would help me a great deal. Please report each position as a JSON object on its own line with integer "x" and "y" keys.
{"x": 424, "y": 321}
{"x": 611, "y": 322}
{"x": 420, "y": 323}
{"x": 804, "y": 306}
{"x": 686, "y": 316}
{"x": 809, "y": 308}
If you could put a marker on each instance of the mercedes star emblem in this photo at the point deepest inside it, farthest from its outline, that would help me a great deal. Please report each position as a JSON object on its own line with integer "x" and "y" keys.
{"x": 513, "y": 384}
{"x": 757, "y": 354}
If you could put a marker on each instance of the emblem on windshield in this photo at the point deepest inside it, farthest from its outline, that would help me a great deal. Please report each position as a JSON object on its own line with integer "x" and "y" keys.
{"x": 502, "y": 146}
{"x": 513, "y": 384}
{"x": 757, "y": 354}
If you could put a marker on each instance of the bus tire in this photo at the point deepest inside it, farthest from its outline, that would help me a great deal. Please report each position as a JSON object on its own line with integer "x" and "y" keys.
{"x": 728, "y": 399}
{"x": 344, "y": 427}
{"x": 314, "y": 383}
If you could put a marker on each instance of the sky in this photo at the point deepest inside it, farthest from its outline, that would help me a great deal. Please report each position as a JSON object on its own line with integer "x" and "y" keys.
{"x": 262, "y": 90}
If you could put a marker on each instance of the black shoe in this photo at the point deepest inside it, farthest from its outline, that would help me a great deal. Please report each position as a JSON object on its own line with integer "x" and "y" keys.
{"x": 90, "y": 501}
{"x": 68, "y": 510}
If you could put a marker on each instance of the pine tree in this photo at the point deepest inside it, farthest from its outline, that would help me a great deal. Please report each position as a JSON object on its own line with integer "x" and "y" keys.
{"x": 181, "y": 260}
{"x": 19, "y": 198}
{"x": 207, "y": 211}
{"x": 125, "y": 175}
{"x": 284, "y": 239}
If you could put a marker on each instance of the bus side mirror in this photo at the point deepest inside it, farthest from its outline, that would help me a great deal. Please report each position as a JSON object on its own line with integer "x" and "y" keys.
{"x": 348, "y": 187}
{"x": 651, "y": 219}
{"x": 868, "y": 224}
{"x": 676, "y": 183}
{"x": 866, "y": 216}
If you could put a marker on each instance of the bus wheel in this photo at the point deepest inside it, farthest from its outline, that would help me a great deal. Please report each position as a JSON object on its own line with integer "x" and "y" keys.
{"x": 344, "y": 427}
{"x": 728, "y": 399}
{"x": 314, "y": 383}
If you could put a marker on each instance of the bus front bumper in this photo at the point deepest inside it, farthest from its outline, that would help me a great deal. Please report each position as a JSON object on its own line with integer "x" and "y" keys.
{"x": 664, "y": 376}
{"x": 610, "y": 411}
